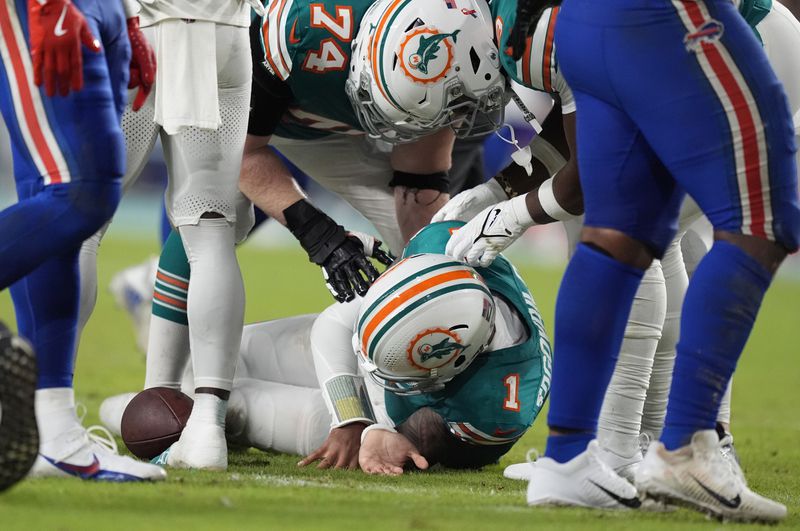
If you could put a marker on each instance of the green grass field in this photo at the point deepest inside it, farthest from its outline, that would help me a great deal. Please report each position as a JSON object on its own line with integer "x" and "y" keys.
{"x": 267, "y": 491}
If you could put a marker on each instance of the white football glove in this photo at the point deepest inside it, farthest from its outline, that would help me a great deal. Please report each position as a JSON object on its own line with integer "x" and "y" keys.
{"x": 469, "y": 203}
{"x": 489, "y": 233}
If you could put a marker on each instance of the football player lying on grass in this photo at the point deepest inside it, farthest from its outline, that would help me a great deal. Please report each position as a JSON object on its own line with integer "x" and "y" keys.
{"x": 439, "y": 363}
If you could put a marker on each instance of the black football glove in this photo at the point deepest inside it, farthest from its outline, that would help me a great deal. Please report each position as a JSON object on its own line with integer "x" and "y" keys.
{"x": 343, "y": 256}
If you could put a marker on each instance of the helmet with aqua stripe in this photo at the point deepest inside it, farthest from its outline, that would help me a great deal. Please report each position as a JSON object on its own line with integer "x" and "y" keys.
{"x": 422, "y": 323}
{"x": 421, "y": 65}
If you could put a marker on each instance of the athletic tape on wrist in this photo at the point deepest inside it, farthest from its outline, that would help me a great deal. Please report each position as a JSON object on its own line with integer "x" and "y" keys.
{"x": 382, "y": 427}
{"x": 348, "y": 400}
{"x": 549, "y": 203}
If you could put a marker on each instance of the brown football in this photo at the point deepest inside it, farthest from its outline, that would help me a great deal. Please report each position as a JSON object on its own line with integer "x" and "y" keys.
{"x": 154, "y": 419}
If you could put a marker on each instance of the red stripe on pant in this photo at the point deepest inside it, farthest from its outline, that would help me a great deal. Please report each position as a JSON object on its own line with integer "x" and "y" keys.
{"x": 25, "y": 96}
{"x": 744, "y": 117}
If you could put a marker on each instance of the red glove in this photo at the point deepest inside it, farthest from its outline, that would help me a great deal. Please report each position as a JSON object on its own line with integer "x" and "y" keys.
{"x": 57, "y": 30}
{"x": 143, "y": 63}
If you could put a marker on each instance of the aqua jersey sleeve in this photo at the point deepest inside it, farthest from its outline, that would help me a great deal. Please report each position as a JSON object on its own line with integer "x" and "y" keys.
{"x": 537, "y": 68}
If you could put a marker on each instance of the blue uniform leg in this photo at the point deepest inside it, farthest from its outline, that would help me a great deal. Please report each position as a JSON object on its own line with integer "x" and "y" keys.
{"x": 640, "y": 60}
{"x": 67, "y": 182}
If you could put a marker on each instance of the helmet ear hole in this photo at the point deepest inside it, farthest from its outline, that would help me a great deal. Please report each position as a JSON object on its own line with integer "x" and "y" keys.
{"x": 475, "y": 59}
{"x": 460, "y": 361}
{"x": 394, "y": 63}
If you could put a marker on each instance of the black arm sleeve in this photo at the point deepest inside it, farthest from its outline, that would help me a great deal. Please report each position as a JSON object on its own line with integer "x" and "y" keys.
{"x": 270, "y": 96}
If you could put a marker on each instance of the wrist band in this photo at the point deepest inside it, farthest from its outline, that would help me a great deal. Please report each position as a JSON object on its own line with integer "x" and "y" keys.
{"x": 382, "y": 427}
{"x": 549, "y": 203}
{"x": 439, "y": 181}
{"x": 348, "y": 400}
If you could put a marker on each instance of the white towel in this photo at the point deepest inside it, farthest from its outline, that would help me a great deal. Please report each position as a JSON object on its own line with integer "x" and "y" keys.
{"x": 186, "y": 78}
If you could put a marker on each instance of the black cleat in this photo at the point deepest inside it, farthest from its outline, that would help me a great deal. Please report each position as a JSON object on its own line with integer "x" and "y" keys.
{"x": 19, "y": 436}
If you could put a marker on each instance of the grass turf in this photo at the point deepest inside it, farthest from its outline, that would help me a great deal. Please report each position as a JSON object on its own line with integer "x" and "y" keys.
{"x": 267, "y": 491}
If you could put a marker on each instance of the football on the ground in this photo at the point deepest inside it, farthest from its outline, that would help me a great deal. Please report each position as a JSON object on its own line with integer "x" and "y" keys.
{"x": 154, "y": 419}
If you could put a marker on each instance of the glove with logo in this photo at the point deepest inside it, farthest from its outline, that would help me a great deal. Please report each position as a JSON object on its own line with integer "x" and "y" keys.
{"x": 489, "y": 233}
{"x": 469, "y": 203}
{"x": 57, "y": 30}
{"x": 143, "y": 64}
{"x": 342, "y": 255}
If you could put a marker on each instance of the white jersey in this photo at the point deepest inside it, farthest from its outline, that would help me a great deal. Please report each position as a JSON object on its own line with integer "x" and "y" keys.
{"x": 229, "y": 12}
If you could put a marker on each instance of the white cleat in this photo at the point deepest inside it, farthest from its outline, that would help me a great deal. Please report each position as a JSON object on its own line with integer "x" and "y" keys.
{"x": 585, "y": 481}
{"x": 111, "y": 411}
{"x": 522, "y": 471}
{"x": 132, "y": 289}
{"x": 201, "y": 447}
{"x": 91, "y": 454}
{"x": 624, "y": 465}
{"x": 697, "y": 475}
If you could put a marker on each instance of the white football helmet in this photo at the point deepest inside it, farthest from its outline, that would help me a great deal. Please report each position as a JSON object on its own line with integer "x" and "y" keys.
{"x": 420, "y": 65}
{"x": 422, "y": 323}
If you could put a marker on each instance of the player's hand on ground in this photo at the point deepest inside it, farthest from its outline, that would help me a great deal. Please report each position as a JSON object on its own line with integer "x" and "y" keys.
{"x": 340, "y": 449}
{"x": 489, "y": 233}
{"x": 347, "y": 269}
{"x": 57, "y": 31}
{"x": 386, "y": 453}
{"x": 143, "y": 64}
{"x": 469, "y": 203}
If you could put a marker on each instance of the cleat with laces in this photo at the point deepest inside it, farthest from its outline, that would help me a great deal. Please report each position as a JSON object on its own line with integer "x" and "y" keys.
{"x": 202, "y": 446}
{"x": 522, "y": 471}
{"x": 91, "y": 454}
{"x": 626, "y": 465}
{"x": 19, "y": 435}
{"x": 584, "y": 481}
{"x": 699, "y": 476}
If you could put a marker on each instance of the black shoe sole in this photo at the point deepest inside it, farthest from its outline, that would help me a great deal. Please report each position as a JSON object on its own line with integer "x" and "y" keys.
{"x": 19, "y": 436}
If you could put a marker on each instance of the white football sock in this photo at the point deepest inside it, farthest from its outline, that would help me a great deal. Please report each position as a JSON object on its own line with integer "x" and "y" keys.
{"x": 208, "y": 409}
{"x": 55, "y": 412}
{"x": 215, "y": 302}
{"x": 655, "y": 407}
{"x": 724, "y": 414}
{"x": 620, "y": 418}
{"x": 167, "y": 353}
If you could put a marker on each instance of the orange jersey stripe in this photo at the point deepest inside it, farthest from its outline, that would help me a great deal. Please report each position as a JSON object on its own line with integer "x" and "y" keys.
{"x": 174, "y": 281}
{"x": 547, "y": 60}
{"x": 526, "y": 62}
{"x": 169, "y": 300}
{"x": 405, "y": 296}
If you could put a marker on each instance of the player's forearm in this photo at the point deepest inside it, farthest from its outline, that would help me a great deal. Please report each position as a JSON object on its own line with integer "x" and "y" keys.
{"x": 336, "y": 366}
{"x": 557, "y": 199}
{"x": 267, "y": 182}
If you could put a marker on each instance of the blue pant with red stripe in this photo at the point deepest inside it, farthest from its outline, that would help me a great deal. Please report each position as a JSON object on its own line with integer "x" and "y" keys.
{"x": 69, "y": 158}
{"x": 678, "y": 96}
{"x": 673, "y": 97}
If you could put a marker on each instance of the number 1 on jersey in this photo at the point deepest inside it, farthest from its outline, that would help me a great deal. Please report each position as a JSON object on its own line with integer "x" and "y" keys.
{"x": 511, "y": 403}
